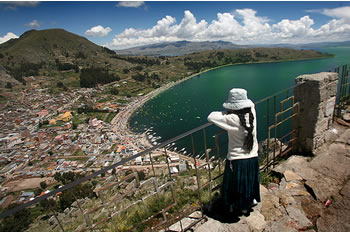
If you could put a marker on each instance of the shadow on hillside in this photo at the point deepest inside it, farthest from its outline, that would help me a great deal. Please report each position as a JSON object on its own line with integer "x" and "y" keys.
{"x": 217, "y": 212}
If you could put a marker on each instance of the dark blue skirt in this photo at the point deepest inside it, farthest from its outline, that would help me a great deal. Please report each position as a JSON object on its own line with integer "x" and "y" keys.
{"x": 241, "y": 183}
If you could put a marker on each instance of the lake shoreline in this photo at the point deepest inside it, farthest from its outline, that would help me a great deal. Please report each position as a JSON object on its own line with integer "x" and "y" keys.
{"x": 125, "y": 115}
{"x": 169, "y": 85}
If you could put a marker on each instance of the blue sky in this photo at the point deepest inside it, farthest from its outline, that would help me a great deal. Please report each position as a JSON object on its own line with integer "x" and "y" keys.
{"x": 124, "y": 24}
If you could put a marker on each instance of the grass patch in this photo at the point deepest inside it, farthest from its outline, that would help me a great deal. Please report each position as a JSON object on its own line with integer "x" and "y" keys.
{"x": 268, "y": 177}
{"x": 110, "y": 116}
{"x": 78, "y": 153}
{"x": 2, "y": 99}
{"x": 58, "y": 123}
{"x": 83, "y": 159}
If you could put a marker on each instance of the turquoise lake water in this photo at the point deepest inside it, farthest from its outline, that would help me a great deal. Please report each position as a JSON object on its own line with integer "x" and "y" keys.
{"x": 187, "y": 105}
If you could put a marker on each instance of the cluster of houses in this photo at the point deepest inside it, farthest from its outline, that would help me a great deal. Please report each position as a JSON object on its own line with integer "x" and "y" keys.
{"x": 29, "y": 150}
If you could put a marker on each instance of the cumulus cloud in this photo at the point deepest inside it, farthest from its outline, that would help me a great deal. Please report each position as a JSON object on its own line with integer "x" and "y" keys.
{"x": 134, "y": 4}
{"x": 98, "y": 31}
{"x": 242, "y": 26}
{"x": 33, "y": 24}
{"x": 7, "y": 37}
{"x": 340, "y": 13}
{"x": 294, "y": 28}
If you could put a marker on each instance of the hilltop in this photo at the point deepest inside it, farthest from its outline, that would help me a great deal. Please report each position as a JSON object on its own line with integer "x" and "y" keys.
{"x": 48, "y": 45}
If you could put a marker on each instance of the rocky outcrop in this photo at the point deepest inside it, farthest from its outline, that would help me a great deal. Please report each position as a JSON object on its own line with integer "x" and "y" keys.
{"x": 314, "y": 192}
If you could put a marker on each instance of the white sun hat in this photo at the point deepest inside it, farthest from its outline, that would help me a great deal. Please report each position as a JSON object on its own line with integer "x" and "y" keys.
{"x": 237, "y": 100}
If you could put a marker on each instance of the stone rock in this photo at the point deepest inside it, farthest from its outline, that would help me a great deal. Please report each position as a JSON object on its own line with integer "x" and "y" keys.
{"x": 336, "y": 217}
{"x": 346, "y": 117}
{"x": 311, "y": 207}
{"x": 289, "y": 175}
{"x": 185, "y": 222}
{"x": 322, "y": 187}
{"x": 270, "y": 207}
{"x": 237, "y": 227}
{"x": 284, "y": 224}
{"x": 298, "y": 216}
{"x": 297, "y": 189}
{"x": 52, "y": 220}
{"x": 211, "y": 225}
{"x": 291, "y": 185}
{"x": 256, "y": 221}
{"x": 283, "y": 183}
{"x": 331, "y": 135}
{"x": 345, "y": 137}
{"x": 334, "y": 164}
{"x": 66, "y": 211}
{"x": 263, "y": 190}
{"x": 196, "y": 214}
{"x": 75, "y": 204}
{"x": 286, "y": 199}
{"x": 273, "y": 186}
{"x": 294, "y": 164}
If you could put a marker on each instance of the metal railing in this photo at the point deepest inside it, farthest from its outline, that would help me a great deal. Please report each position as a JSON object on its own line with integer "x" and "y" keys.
{"x": 343, "y": 95}
{"x": 176, "y": 195}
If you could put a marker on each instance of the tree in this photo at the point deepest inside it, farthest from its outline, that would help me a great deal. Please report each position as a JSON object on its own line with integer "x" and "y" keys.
{"x": 74, "y": 126}
{"x": 91, "y": 77}
{"x": 43, "y": 185}
{"x": 114, "y": 91}
{"x": 8, "y": 85}
{"x": 60, "y": 84}
{"x": 17, "y": 222}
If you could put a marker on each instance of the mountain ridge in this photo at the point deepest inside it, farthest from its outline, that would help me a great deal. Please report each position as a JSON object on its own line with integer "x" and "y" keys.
{"x": 184, "y": 47}
{"x": 178, "y": 48}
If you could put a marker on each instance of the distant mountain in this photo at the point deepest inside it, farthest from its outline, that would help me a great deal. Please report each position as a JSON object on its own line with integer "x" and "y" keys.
{"x": 177, "y": 48}
{"x": 305, "y": 46}
{"x": 48, "y": 45}
{"x": 186, "y": 47}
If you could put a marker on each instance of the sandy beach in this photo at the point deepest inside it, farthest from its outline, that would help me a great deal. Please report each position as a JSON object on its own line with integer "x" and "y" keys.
{"x": 139, "y": 142}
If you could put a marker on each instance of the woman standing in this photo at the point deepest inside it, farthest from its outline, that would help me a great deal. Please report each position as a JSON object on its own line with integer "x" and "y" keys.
{"x": 240, "y": 188}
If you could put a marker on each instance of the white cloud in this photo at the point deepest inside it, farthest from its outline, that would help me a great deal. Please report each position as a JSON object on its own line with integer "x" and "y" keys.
{"x": 340, "y": 13}
{"x": 33, "y": 24}
{"x": 14, "y": 4}
{"x": 134, "y": 4}
{"x": 7, "y": 37}
{"x": 243, "y": 26}
{"x": 294, "y": 28}
{"x": 98, "y": 31}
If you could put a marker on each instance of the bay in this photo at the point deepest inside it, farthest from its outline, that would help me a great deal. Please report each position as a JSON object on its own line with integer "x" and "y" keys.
{"x": 187, "y": 105}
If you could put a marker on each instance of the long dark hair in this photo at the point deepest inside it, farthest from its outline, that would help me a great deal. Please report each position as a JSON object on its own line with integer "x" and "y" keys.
{"x": 248, "y": 143}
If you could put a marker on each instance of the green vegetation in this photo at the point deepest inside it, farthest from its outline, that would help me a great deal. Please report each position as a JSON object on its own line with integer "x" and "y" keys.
{"x": 17, "y": 222}
{"x": 24, "y": 69}
{"x": 91, "y": 77}
{"x": 268, "y": 177}
{"x": 80, "y": 191}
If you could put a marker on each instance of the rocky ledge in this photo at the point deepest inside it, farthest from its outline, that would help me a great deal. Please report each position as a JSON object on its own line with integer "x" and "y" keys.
{"x": 313, "y": 194}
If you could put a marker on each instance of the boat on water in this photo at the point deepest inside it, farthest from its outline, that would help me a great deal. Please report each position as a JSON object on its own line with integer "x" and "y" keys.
{"x": 182, "y": 149}
{"x": 201, "y": 156}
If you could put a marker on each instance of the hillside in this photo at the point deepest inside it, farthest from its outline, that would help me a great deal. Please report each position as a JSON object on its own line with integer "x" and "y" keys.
{"x": 48, "y": 45}
{"x": 177, "y": 48}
